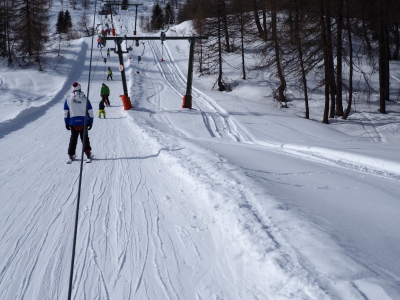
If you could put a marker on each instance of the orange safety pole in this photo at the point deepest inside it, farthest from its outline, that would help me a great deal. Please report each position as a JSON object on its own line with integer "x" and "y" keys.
{"x": 126, "y": 101}
{"x": 184, "y": 101}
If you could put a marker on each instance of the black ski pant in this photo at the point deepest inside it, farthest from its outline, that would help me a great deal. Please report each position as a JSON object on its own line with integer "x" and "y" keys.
{"x": 74, "y": 140}
{"x": 105, "y": 99}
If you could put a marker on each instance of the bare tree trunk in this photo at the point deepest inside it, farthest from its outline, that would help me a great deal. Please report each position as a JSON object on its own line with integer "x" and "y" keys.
{"x": 339, "y": 101}
{"x": 265, "y": 24}
{"x": 331, "y": 66}
{"x": 282, "y": 86}
{"x": 291, "y": 29}
{"x": 261, "y": 33}
{"x": 241, "y": 22}
{"x": 382, "y": 57}
{"x": 351, "y": 67}
{"x": 201, "y": 57}
{"x": 225, "y": 21}
{"x": 326, "y": 64}
{"x": 396, "y": 41}
{"x": 387, "y": 66}
{"x": 300, "y": 53}
{"x": 221, "y": 86}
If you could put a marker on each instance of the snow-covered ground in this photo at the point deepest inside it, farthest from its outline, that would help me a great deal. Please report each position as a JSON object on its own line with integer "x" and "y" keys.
{"x": 234, "y": 199}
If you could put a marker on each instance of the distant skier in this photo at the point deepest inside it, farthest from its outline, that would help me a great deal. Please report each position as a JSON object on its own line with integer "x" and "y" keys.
{"x": 103, "y": 41}
{"x": 102, "y": 109}
{"x": 109, "y": 73}
{"x": 98, "y": 42}
{"x": 108, "y": 52}
{"x": 74, "y": 117}
{"x": 104, "y": 93}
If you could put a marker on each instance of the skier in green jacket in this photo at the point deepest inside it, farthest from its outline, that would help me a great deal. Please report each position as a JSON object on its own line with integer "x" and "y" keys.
{"x": 104, "y": 93}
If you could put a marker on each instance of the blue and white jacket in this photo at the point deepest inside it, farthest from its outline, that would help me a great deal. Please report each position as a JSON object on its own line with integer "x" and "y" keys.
{"x": 74, "y": 109}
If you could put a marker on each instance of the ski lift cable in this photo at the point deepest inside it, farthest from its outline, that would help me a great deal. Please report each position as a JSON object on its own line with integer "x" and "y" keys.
{"x": 163, "y": 34}
{"x": 97, "y": 62}
{"x": 144, "y": 48}
{"x": 71, "y": 277}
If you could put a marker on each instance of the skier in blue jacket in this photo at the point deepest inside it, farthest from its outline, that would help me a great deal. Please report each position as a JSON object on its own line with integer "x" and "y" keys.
{"x": 74, "y": 117}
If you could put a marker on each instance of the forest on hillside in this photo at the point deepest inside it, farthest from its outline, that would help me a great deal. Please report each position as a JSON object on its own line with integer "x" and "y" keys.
{"x": 337, "y": 39}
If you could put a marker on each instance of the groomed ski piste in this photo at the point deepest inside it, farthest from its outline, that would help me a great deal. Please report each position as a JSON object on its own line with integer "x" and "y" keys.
{"x": 234, "y": 199}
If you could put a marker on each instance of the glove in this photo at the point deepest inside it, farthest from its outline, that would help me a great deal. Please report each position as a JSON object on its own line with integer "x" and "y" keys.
{"x": 67, "y": 126}
{"x": 89, "y": 127}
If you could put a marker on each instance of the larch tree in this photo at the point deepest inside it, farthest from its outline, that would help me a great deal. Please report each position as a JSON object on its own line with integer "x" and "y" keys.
{"x": 84, "y": 23}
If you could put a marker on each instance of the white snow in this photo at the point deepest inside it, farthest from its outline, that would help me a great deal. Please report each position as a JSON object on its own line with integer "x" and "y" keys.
{"x": 234, "y": 199}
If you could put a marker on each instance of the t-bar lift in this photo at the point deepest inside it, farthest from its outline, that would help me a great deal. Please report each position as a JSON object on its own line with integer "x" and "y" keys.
{"x": 187, "y": 99}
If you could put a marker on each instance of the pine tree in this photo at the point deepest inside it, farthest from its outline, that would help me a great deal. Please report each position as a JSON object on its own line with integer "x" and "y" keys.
{"x": 67, "y": 22}
{"x": 60, "y": 22}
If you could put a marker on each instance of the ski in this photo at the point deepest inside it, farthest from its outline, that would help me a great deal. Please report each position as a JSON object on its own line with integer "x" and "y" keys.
{"x": 71, "y": 160}
{"x": 89, "y": 160}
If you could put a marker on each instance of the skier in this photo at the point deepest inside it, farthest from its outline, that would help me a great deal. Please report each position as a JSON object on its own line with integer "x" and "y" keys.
{"x": 108, "y": 52}
{"x": 99, "y": 42}
{"x": 103, "y": 41}
{"x": 109, "y": 72}
{"x": 74, "y": 117}
{"x": 102, "y": 109}
{"x": 104, "y": 93}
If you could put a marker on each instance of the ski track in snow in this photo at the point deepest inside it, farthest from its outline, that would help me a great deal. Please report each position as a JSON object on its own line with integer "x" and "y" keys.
{"x": 220, "y": 125}
{"x": 217, "y": 121}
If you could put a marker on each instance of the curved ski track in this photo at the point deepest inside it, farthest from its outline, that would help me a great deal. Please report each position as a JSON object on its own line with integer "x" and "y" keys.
{"x": 217, "y": 121}
{"x": 221, "y": 125}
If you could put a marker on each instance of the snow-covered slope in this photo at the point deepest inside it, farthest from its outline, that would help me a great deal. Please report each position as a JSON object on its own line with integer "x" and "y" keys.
{"x": 234, "y": 199}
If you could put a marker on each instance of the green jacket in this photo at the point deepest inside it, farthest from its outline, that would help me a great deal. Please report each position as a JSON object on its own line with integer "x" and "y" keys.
{"x": 105, "y": 90}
